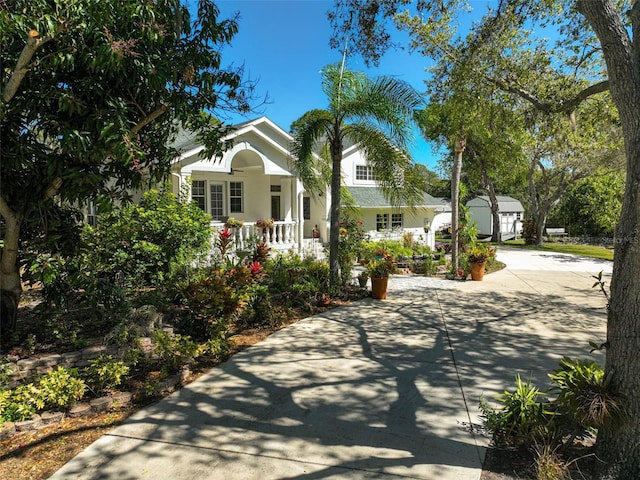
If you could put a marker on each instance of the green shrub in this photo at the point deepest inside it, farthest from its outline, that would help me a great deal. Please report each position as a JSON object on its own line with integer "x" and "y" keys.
{"x": 174, "y": 350}
{"x": 58, "y": 389}
{"x": 583, "y": 395}
{"x": 104, "y": 373}
{"x": 521, "y": 418}
{"x": 311, "y": 278}
{"x": 213, "y": 300}
{"x": 140, "y": 244}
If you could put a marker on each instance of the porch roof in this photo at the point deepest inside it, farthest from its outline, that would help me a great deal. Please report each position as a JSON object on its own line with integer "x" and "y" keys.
{"x": 372, "y": 197}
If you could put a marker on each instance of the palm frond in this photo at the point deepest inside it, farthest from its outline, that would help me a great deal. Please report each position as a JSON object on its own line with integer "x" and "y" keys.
{"x": 392, "y": 167}
{"x": 308, "y": 131}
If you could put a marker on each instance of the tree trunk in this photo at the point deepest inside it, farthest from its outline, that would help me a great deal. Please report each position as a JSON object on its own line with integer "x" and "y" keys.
{"x": 618, "y": 445}
{"x": 496, "y": 230}
{"x": 10, "y": 283}
{"x": 455, "y": 204}
{"x": 335, "y": 148}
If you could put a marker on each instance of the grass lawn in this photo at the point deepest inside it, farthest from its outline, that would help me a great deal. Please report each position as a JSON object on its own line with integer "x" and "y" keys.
{"x": 582, "y": 250}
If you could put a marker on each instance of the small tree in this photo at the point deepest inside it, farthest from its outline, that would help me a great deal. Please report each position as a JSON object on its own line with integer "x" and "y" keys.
{"x": 375, "y": 114}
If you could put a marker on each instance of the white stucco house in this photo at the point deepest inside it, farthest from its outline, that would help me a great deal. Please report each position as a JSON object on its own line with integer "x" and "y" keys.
{"x": 254, "y": 180}
{"x": 510, "y": 210}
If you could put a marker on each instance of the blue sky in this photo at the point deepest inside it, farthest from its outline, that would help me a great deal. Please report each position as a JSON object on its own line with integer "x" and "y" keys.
{"x": 284, "y": 44}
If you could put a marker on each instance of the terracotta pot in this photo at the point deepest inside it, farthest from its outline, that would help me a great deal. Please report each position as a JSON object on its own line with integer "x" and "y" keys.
{"x": 379, "y": 287}
{"x": 477, "y": 271}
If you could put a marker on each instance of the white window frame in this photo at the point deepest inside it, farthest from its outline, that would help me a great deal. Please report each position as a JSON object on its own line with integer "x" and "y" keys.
{"x": 197, "y": 195}
{"x": 396, "y": 220}
{"x": 382, "y": 222}
{"x": 364, "y": 173}
{"x": 217, "y": 203}
{"x": 234, "y": 196}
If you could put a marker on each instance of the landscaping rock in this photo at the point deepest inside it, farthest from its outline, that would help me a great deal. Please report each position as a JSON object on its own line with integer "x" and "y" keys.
{"x": 168, "y": 385}
{"x": 49, "y": 360}
{"x": 121, "y": 399}
{"x": 27, "y": 425}
{"x": 49, "y": 418}
{"x": 70, "y": 359}
{"x": 101, "y": 404}
{"x": 94, "y": 351}
{"x": 80, "y": 410}
{"x": 147, "y": 319}
{"x": 7, "y": 430}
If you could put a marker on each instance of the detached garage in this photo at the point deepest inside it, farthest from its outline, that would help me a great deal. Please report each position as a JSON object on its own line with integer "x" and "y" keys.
{"x": 510, "y": 211}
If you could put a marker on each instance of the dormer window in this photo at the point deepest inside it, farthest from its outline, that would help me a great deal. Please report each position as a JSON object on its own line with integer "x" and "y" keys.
{"x": 364, "y": 172}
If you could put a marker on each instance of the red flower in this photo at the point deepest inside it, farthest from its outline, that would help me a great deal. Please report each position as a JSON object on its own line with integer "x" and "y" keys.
{"x": 226, "y": 233}
{"x": 254, "y": 268}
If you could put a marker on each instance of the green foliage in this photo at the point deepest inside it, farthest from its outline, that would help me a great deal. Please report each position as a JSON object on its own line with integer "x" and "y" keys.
{"x": 58, "y": 389}
{"x": 369, "y": 250}
{"x": 521, "y": 417}
{"x": 142, "y": 243}
{"x": 103, "y": 373}
{"x": 94, "y": 93}
{"x": 312, "y": 278}
{"x": 174, "y": 350}
{"x": 592, "y": 206}
{"x": 213, "y": 299}
{"x": 352, "y": 234}
{"x": 375, "y": 114}
{"x": 381, "y": 268}
{"x": 583, "y": 394}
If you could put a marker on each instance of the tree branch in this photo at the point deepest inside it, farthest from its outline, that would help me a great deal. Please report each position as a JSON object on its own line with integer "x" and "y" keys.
{"x": 53, "y": 188}
{"x": 34, "y": 42}
{"x": 565, "y": 106}
{"x": 148, "y": 119}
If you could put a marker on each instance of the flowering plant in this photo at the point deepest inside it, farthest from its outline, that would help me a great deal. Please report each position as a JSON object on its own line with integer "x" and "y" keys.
{"x": 480, "y": 253}
{"x": 381, "y": 268}
{"x": 224, "y": 241}
{"x": 264, "y": 223}
{"x": 233, "y": 223}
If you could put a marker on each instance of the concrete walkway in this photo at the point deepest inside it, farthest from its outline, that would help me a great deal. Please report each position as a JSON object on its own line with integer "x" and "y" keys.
{"x": 373, "y": 390}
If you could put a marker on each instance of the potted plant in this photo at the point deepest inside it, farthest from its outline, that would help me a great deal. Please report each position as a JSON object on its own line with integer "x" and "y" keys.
{"x": 379, "y": 271}
{"x": 478, "y": 255}
{"x": 264, "y": 223}
{"x": 233, "y": 223}
{"x": 363, "y": 277}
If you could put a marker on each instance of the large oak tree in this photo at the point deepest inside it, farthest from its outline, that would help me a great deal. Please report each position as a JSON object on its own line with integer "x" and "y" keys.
{"x": 590, "y": 30}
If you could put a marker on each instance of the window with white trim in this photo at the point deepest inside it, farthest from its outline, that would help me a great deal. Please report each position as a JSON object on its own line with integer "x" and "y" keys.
{"x": 236, "y": 197}
{"x": 198, "y": 193}
{"x": 396, "y": 220}
{"x": 306, "y": 208}
{"x": 382, "y": 221}
{"x": 217, "y": 201}
{"x": 364, "y": 172}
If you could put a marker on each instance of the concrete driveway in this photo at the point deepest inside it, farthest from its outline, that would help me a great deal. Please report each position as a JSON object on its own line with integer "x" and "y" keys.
{"x": 373, "y": 390}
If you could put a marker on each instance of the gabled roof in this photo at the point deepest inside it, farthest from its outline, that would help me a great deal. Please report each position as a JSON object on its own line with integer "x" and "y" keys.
{"x": 505, "y": 204}
{"x": 372, "y": 197}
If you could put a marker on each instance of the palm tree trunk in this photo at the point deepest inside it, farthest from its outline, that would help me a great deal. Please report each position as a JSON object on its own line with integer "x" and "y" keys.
{"x": 334, "y": 211}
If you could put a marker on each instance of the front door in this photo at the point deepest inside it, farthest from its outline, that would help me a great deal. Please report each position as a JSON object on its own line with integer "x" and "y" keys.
{"x": 275, "y": 207}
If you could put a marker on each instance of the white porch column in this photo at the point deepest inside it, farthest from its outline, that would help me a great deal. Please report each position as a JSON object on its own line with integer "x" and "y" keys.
{"x": 286, "y": 198}
{"x": 300, "y": 232}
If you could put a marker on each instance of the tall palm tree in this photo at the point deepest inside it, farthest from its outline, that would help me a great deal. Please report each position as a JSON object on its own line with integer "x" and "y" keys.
{"x": 377, "y": 115}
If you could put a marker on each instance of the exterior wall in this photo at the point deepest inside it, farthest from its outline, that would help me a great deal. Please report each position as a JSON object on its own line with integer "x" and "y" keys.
{"x": 350, "y": 160}
{"x": 411, "y": 222}
{"x": 482, "y": 216}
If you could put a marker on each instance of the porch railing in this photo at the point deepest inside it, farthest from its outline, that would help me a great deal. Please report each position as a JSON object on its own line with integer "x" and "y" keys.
{"x": 282, "y": 236}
